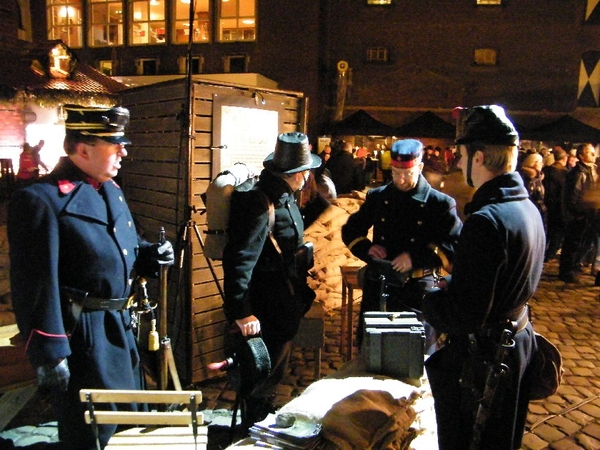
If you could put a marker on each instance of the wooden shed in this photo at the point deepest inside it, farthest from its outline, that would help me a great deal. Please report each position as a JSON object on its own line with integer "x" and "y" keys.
{"x": 180, "y": 141}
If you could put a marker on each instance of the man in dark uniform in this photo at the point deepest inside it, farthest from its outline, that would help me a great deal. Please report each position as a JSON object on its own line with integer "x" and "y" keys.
{"x": 499, "y": 260}
{"x": 265, "y": 287}
{"x": 415, "y": 228}
{"x": 73, "y": 251}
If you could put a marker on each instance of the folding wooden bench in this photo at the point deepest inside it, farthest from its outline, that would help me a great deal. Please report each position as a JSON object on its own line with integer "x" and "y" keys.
{"x": 172, "y": 429}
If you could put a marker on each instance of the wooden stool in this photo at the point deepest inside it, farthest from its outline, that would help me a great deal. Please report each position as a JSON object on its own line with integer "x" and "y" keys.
{"x": 349, "y": 283}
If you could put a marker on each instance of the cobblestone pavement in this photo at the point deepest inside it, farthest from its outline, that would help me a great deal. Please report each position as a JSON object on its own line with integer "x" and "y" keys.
{"x": 567, "y": 314}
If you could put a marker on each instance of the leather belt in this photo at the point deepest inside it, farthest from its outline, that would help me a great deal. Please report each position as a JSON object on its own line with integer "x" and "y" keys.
{"x": 105, "y": 304}
{"x": 519, "y": 319}
{"x": 85, "y": 301}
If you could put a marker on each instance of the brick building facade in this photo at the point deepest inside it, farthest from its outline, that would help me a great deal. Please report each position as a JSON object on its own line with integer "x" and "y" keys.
{"x": 404, "y": 58}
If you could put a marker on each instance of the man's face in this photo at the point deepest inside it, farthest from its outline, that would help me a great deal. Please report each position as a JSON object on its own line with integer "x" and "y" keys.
{"x": 406, "y": 179}
{"x": 462, "y": 162}
{"x": 104, "y": 159}
{"x": 588, "y": 154}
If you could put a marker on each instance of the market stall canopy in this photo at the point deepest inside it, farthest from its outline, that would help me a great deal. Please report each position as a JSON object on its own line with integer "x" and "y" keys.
{"x": 50, "y": 73}
{"x": 564, "y": 129}
{"x": 361, "y": 123}
{"x": 427, "y": 125}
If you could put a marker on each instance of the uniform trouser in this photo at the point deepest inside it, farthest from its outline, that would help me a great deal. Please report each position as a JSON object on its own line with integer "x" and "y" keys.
{"x": 554, "y": 236}
{"x": 73, "y": 433}
{"x": 280, "y": 353}
{"x": 455, "y": 411}
{"x": 576, "y": 244}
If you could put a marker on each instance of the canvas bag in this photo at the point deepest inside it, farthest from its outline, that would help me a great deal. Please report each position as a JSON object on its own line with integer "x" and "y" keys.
{"x": 546, "y": 369}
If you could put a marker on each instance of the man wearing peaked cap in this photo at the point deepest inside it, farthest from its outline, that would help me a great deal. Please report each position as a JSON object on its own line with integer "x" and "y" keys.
{"x": 415, "y": 230}
{"x": 496, "y": 272}
{"x": 74, "y": 250}
{"x": 107, "y": 124}
{"x": 265, "y": 283}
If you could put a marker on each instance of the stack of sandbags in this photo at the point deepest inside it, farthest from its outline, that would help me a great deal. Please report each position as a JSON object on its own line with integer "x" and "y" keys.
{"x": 330, "y": 251}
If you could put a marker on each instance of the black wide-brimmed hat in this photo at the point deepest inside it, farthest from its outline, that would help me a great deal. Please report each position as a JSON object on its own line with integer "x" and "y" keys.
{"x": 486, "y": 124}
{"x": 107, "y": 124}
{"x": 292, "y": 154}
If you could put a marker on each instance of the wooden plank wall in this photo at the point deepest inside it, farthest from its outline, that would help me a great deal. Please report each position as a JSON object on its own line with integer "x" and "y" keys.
{"x": 162, "y": 188}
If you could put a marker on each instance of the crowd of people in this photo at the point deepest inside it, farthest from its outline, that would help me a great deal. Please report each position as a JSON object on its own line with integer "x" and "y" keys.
{"x": 468, "y": 282}
{"x": 562, "y": 183}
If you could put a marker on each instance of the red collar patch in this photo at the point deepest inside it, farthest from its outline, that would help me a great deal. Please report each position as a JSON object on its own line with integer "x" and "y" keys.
{"x": 65, "y": 186}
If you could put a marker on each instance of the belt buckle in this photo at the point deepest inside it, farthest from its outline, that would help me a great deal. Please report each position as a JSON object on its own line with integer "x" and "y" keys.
{"x": 104, "y": 304}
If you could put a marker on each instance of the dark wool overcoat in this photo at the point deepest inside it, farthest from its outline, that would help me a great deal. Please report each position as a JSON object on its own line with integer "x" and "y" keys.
{"x": 256, "y": 276}
{"x": 499, "y": 261}
{"x": 63, "y": 233}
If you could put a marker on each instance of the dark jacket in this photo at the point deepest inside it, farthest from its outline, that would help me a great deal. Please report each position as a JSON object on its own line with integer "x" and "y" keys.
{"x": 499, "y": 261}
{"x": 532, "y": 179}
{"x": 579, "y": 182}
{"x": 65, "y": 234}
{"x": 414, "y": 222}
{"x": 346, "y": 172}
{"x": 554, "y": 183}
{"x": 255, "y": 275}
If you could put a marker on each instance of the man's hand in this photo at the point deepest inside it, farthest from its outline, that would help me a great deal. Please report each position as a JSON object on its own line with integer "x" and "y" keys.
{"x": 163, "y": 254}
{"x": 377, "y": 251}
{"x": 402, "y": 262}
{"x": 250, "y": 325}
{"x": 53, "y": 377}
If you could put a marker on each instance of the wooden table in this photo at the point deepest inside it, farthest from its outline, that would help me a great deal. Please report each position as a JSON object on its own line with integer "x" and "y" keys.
{"x": 349, "y": 283}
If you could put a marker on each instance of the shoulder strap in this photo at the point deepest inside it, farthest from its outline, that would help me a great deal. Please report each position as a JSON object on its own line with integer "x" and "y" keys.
{"x": 271, "y": 226}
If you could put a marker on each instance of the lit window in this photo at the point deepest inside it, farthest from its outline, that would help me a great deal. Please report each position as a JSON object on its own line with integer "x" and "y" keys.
{"x": 148, "y": 22}
{"x": 489, "y": 2}
{"x": 106, "y": 24}
{"x": 379, "y": 2}
{"x": 65, "y": 21}
{"x": 106, "y": 67}
{"x": 377, "y": 54}
{"x": 486, "y": 57}
{"x": 237, "y": 20}
{"x": 201, "y": 22}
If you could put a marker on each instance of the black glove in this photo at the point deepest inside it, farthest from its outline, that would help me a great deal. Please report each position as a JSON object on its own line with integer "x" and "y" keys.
{"x": 162, "y": 254}
{"x": 53, "y": 377}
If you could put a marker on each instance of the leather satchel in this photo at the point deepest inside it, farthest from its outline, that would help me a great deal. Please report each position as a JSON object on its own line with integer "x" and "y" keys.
{"x": 546, "y": 369}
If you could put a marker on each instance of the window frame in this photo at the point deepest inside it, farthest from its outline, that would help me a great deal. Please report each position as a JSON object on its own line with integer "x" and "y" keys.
{"x": 120, "y": 25}
{"x": 139, "y": 62}
{"x": 378, "y": 50}
{"x": 488, "y": 2}
{"x": 146, "y": 23}
{"x": 237, "y": 32}
{"x": 484, "y": 59}
{"x": 66, "y": 32}
{"x": 202, "y": 26}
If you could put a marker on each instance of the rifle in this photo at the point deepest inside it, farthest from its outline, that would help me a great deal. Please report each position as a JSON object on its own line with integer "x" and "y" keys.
{"x": 496, "y": 370}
